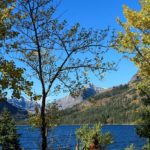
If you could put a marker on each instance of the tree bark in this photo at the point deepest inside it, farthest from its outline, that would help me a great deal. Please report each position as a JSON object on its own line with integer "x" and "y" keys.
{"x": 43, "y": 125}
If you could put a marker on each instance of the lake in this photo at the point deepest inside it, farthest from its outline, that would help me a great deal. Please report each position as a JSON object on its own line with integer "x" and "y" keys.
{"x": 64, "y": 137}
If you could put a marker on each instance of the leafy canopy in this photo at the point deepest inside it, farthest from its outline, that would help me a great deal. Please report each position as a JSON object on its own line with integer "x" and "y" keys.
{"x": 60, "y": 56}
{"x": 135, "y": 40}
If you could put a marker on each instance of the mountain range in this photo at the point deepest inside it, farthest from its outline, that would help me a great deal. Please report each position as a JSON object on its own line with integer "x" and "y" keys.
{"x": 113, "y": 105}
{"x": 19, "y": 108}
{"x": 70, "y": 101}
{"x": 116, "y": 105}
{"x": 24, "y": 103}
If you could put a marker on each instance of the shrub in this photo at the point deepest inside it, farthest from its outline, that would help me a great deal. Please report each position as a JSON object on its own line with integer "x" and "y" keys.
{"x": 92, "y": 137}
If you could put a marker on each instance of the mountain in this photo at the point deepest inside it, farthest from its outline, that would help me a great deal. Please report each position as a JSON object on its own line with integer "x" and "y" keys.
{"x": 116, "y": 105}
{"x": 87, "y": 92}
{"x": 69, "y": 101}
{"x": 24, "y": 103}
{"x": 90, "y": 91}
{"x": 135, "y": 78}
{"x": 17, "y": 113}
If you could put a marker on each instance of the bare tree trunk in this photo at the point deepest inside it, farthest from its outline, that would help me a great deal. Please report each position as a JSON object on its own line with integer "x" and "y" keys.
{"x": 43, "y": 126}
{"x": 77, "y": 146}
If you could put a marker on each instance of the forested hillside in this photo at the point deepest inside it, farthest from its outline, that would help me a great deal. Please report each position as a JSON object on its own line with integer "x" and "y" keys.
{"x": 118, "y": 105}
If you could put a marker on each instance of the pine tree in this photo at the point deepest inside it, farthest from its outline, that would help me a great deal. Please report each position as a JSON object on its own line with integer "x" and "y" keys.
{"x": 8, "y": 133}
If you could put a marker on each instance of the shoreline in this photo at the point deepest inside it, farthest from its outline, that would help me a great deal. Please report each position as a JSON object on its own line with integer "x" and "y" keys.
{"x": 84, "y": 124}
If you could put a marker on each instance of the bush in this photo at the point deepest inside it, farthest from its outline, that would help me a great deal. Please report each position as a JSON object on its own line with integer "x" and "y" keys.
{"x": 92, "y": 137}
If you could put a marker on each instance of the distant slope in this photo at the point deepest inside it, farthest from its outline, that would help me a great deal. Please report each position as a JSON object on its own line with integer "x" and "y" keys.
{"x": 69, "y": 101}
{"x": 17, "y": 113}
{"x": 116, "y": 105}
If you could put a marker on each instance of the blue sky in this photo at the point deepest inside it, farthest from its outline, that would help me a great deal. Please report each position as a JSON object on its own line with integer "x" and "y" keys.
{"x": 100, "y": 14}
{"x": 95, "y": 13}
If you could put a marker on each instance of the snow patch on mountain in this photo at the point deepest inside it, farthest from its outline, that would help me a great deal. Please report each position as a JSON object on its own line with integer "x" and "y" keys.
{"x": 24, "y": 103}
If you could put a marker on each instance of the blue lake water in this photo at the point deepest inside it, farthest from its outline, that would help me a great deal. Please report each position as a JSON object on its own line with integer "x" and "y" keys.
{"x": 63, "y": 137}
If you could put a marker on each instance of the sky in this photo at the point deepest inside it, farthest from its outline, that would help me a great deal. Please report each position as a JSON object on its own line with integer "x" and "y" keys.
{"x": 100, "y": 14}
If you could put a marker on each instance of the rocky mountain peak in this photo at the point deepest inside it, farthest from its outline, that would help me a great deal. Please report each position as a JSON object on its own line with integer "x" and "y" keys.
{"x": 69, "y": 101}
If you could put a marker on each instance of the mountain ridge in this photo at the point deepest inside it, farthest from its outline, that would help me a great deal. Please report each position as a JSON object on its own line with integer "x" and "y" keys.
{"x": 116, "y": 105}
{"x": 87, "y": 92}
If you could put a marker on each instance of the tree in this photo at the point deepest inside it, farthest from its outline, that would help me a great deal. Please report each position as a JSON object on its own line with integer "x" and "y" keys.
{"x": 8, "y": 132}
{"x": 135, "y": 40}
{"x": 60, "y": 56}
{"x": 11, "y": 77}
{"x": 92, "y": 137}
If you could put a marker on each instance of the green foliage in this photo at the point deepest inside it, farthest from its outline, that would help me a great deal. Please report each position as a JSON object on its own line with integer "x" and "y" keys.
{"x": 131, "y": 147}
{"x": 8, "y": 133}
{"x": 92, "y": 136}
